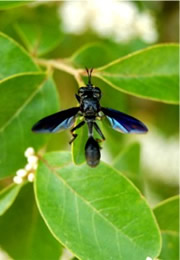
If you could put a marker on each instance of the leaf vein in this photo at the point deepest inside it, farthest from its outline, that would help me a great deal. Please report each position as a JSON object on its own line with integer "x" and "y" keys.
{"x": 20, "y": 109}
{"x": 94, "y": 231}
{"x": 87, "y": 202}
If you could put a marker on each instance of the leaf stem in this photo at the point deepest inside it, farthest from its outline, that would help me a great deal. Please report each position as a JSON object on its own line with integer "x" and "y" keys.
{"x": 62, "y": 65}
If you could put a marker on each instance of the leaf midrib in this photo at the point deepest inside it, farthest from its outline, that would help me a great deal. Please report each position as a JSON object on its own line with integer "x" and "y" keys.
{"x": 135, "y": 53}
{"x": 166, "y": 202}
{"x": 170, "y": 232}
{"x": 119, "y": 88}
{"x": 20, "y": 48}
{"x": 115, "y": 75}
{"x": 86, "y": 202}
{"x": 27, "y": 101}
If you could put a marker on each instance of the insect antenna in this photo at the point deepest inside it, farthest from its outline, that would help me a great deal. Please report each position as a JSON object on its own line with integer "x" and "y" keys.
{"x": 89, "y": 72}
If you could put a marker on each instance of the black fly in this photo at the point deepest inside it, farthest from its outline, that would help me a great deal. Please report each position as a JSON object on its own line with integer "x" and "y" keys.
{"x": 88, "y": 98}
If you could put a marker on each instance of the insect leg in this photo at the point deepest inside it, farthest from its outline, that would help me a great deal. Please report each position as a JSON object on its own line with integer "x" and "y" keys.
{"x": 99, "y": 132}
{"x": 77, "y": 97}
{"x": 73, "y": 129}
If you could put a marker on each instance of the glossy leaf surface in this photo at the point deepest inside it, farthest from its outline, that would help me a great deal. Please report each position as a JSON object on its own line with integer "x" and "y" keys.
{"x": 78, "y": 146}
{"x": 14, "y": 59}
{"x": 97, "y": 54}
{"x": 97, "y": 213}
{"x": 151, "y": 73}
{"x": 7, "y": 197}
{"x": 24, "y": 100}
{"x": 92, "y": 56}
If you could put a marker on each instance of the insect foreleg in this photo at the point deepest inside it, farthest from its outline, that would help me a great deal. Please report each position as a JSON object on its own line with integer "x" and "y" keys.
{"x": 73, "y": 129}
{"x": 99, "y": 132}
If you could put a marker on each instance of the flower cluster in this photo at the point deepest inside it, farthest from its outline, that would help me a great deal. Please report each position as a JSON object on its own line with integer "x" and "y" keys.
{"x": 120, "y": 20}
{"x": 29, "y": 169}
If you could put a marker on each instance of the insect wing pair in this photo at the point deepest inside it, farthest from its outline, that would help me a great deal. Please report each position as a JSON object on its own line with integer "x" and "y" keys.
{"x": 88, "y": 98}
{"x": 65, "y": 119}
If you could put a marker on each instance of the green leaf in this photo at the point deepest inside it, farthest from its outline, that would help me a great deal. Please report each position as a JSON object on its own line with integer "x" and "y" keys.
{"x": 12, "y": 4}
{"x": 167, "y": 214}
{"x": 78, "y": 146}
{"x": 151, "y": 73}
{"x": 91, "y": 56}
{"x": 170, "y": 247}
{"x": 130, "y": 154}
{"x": 25, "y": 99}
{"x": 128, "y": 162}
{"x": 23, "y": 232}
{"x": 39, "y": 32}
{"x": 7, "y": 197}
{"x": 97, "y": 54}
{"x": 167, "y": 210}
{"x": 95, "y": 212}
{"x": 14, "y": 59}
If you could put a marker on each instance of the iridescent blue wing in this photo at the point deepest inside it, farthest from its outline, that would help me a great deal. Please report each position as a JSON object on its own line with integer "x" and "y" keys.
{"x": 56, "y": 122}
{"x": 124, "y": 123}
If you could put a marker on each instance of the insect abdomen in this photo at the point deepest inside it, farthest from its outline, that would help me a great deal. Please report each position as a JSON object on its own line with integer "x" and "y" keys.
{"x": 92, "y": 152}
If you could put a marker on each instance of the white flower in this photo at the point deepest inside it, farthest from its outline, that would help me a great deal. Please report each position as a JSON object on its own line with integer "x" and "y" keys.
{"x": 17, "y": 180}
{"x": 34, "y": 166}
{"x": 101, "y": 17}
{"x": 29, "y": 151}
{"x": 28, "y": 167}
{"x": 21, "y": 172}
{"x": 145, "y": 28}
{"x": 74, "y": 16}
{"x": 31, "y": 177}
{"x": 32, "y": 160}
{"x": 120, "y": 20}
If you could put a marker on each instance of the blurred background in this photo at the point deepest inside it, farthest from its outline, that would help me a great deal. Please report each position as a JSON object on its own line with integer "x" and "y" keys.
{"x": 111, "y": 29}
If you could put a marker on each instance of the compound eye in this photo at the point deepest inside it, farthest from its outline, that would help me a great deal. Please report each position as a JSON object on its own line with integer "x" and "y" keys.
{"x": 97, "y": 92}
{"x": 81, "y": 91}
{"x": 96, "y": 95}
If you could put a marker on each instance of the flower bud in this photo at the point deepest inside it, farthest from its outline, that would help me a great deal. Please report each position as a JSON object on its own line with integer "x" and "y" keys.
{"x": 17, "y": 180}
{"x": 21, "y": 173}
{"x": 29, "y": 151}
{"x": 28, "y": 167}
{"x": 31, "y": 177}
{"x": 32, "y": 159}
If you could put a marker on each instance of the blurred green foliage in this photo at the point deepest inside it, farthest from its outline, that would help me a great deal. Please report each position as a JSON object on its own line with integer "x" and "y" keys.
{"x": 31, "y": 88}
{"x": 165, "y": 211}
{"x": 25, "y": 226}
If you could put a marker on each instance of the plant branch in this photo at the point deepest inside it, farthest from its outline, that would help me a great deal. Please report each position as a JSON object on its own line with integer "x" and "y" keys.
{"x": 63, "y": 66}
